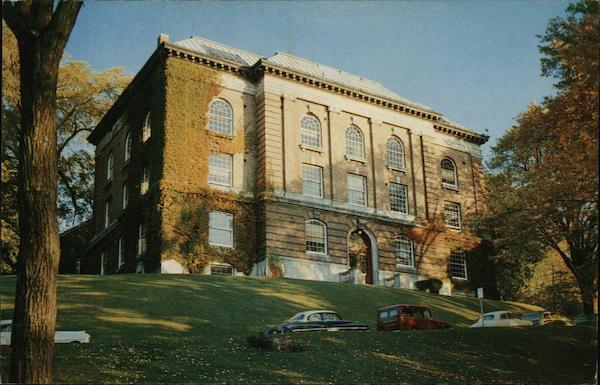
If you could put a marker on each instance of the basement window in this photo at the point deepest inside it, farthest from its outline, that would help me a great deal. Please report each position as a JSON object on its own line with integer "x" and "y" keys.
{"x": 221, "y": 269}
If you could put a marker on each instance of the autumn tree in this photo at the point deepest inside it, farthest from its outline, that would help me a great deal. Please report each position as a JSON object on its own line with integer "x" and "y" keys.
{"x": 83, "y": 97}
{"x": 544, "y": 171}
{"x": 42, "y": 29}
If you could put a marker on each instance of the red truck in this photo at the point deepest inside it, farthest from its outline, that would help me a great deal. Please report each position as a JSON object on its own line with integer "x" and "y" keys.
{"x": 407, "y": 317}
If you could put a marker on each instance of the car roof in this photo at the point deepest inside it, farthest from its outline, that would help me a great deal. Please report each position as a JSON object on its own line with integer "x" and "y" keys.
{"x": 498, "y": 312}
{"x": 307, "y": 313}
{"x": 402, "y": 305}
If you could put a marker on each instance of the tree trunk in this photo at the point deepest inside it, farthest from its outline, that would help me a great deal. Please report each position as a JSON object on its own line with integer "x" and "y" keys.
{"x": 42, "y": 36}
{"x": 587, "y": 291}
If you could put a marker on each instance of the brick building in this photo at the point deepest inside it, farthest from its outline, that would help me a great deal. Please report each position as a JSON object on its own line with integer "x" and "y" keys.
{"x": 216, "y": 160}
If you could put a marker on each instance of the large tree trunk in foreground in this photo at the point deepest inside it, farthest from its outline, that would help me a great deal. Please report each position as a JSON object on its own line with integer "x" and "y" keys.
{"x": 42, "y": 35}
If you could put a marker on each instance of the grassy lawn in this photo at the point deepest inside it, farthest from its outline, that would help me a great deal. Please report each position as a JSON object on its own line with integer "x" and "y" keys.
{"x": 161, "y": 329}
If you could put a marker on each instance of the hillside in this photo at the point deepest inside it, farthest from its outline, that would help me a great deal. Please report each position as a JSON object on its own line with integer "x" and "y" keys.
{"x": 156, "y": 328}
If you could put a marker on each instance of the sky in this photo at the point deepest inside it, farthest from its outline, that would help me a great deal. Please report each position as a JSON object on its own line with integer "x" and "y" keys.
{"x": 475, "y": 61}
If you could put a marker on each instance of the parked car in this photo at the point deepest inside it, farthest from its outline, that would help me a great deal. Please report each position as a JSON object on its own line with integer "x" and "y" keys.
{"x": 407, "y": 317}
{"x": 499, "y": 319}
{"x": 586, "y": 319}
{"x": 541, "y": 318}
{"x": 316, "y": 320}
{"x": 60, "y": 337}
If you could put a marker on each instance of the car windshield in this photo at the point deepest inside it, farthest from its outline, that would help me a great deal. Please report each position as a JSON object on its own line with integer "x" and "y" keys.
{"x": 531, "y": 316}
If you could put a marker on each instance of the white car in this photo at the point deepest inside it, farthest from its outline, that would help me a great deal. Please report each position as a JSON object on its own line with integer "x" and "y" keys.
{"x": 61, "y": 337}
{"x": 499, "y": 319}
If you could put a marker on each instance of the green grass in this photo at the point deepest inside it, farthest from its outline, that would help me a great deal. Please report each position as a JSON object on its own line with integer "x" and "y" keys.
{"x": 161, "y": 329}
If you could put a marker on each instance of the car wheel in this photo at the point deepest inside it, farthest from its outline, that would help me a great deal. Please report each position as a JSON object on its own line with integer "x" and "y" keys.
{"x": 75, "y": 343}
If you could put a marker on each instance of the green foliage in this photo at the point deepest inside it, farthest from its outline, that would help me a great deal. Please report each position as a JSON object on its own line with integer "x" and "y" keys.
{"x": 275, "y": 264}
{"x": 151, "y": 328}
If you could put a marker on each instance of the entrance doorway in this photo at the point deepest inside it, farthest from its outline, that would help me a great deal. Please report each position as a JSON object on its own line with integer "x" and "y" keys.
{"x": 359, "y": 253}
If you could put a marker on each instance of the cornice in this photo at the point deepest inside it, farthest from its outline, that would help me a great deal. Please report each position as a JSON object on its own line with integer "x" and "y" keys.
{"x": 467, "y": 135}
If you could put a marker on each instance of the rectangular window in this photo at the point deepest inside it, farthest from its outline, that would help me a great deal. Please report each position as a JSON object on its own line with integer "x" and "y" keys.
{"x": 452, "y": 215}
{"x": 145, "y": 182}
{"x": 220, "y": 169}
{"x": 121, "y": 261}
{"x": 312, "y": 181}
{"x": 458, "y": 264}
{"x": 141, "y": 249}
{"x": 357, "y": 190}
{"x": 220, "y": 229}
{"x": 125, "y": 196}
{"x": 220, "y": 269}
{"x": 398, "y": 201}
{"x": 107, "y": 213}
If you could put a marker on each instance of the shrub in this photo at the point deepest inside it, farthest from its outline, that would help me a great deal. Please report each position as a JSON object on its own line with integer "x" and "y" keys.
{"x": 261, "y": 341}
{"x": 431, "y": 285}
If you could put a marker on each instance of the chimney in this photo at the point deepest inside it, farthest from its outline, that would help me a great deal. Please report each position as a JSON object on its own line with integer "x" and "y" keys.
{"x": 162, "y": 38}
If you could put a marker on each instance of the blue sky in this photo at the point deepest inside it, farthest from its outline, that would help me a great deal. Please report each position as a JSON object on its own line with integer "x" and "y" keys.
{"x": 475, "y": 61}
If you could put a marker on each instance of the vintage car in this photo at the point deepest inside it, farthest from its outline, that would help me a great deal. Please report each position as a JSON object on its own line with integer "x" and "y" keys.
{"x": 316, "y": 320}
{"x": 61, "y": 337}
{"x": 500, "y": 318}
{"x": 541, "y": 318}
{"x": 407, "y": 317}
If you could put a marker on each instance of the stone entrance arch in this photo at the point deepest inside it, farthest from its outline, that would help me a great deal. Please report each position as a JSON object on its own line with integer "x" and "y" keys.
{"x": 362, "y": 254}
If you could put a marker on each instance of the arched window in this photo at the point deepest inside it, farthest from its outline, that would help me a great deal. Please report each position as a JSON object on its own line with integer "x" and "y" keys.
{"x": 110, "y": 166}
{"x": 128, "y": 144}
{"x": 147, "y": 128}
{"x": 310, "y": 131}
{"x": 395, "y": 151}
{"x": 315, "y": 233}
{"x": 355, "y": 145}
{"x": 449, "y": 173}
{"x": 220, "y": 117}
{"x": 404, "y": 251}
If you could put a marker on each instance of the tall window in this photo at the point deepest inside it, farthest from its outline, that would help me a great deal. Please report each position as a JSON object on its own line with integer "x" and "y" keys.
{"x": 458, "y": 264}
{"x": 395, "y": 151}
{"x": 107, "y": 218}
{"x": 128, "y": 144}
{"x": 147, "y": 128}
{"x": 398, "y": 201}
{"x": 220, "y": 169}
{"x": 404, "y": 251}
{"x": 357, "y": 190}
{"x": 452, "y": 215}
{"x": 220, "y": 229}
{"x": 125, "y": 196}
{"x": 449, "y": 178}
{"x": 141, "y": 247}
{"x": 355, "y": 145}
{"x": 110, "y": 167}
{"x": 220, "y": 117}
{"x": 312, "y": 181}
{"x": 145, "y": 182}
{"x": 310, "y": 131}
{"x": 121, "y": 260}
{"x": 315, "y": 233}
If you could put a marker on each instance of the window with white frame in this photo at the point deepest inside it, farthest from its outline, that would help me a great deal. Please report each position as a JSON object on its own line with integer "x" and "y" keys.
{"x": 357, "y": 190}
{"x": 355, "y": 145}
{"x": 107, "y": 218}
{"x": 125, "y": 196}
{"x": 145, "y": 182}
{"x": 310, "y": 131}
{"x": 220, "y": 169}
{"x": 315, "y": 233}
{"x": 220, "y": 229}
{"x": 147, "y": 128}
{"x": 404, "y": 251}
{"x": 128, "y": 145}
{"x": 458, "y": 264}
{"x": 110, "y": 167}
{"x": 220, "y": 117}
{"x": 398, "y": 198}
{"x": 452, "y": 215}
{"x": 312, "y": 180}
{"x": 449, "y": 178}
{"x": 121, "y": 255}
{"x": 395, "y": 151}
{"x": 141, "y": 246}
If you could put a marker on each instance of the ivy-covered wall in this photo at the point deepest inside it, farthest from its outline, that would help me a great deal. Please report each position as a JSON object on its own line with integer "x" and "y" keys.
{"x": 185, "y": 197}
